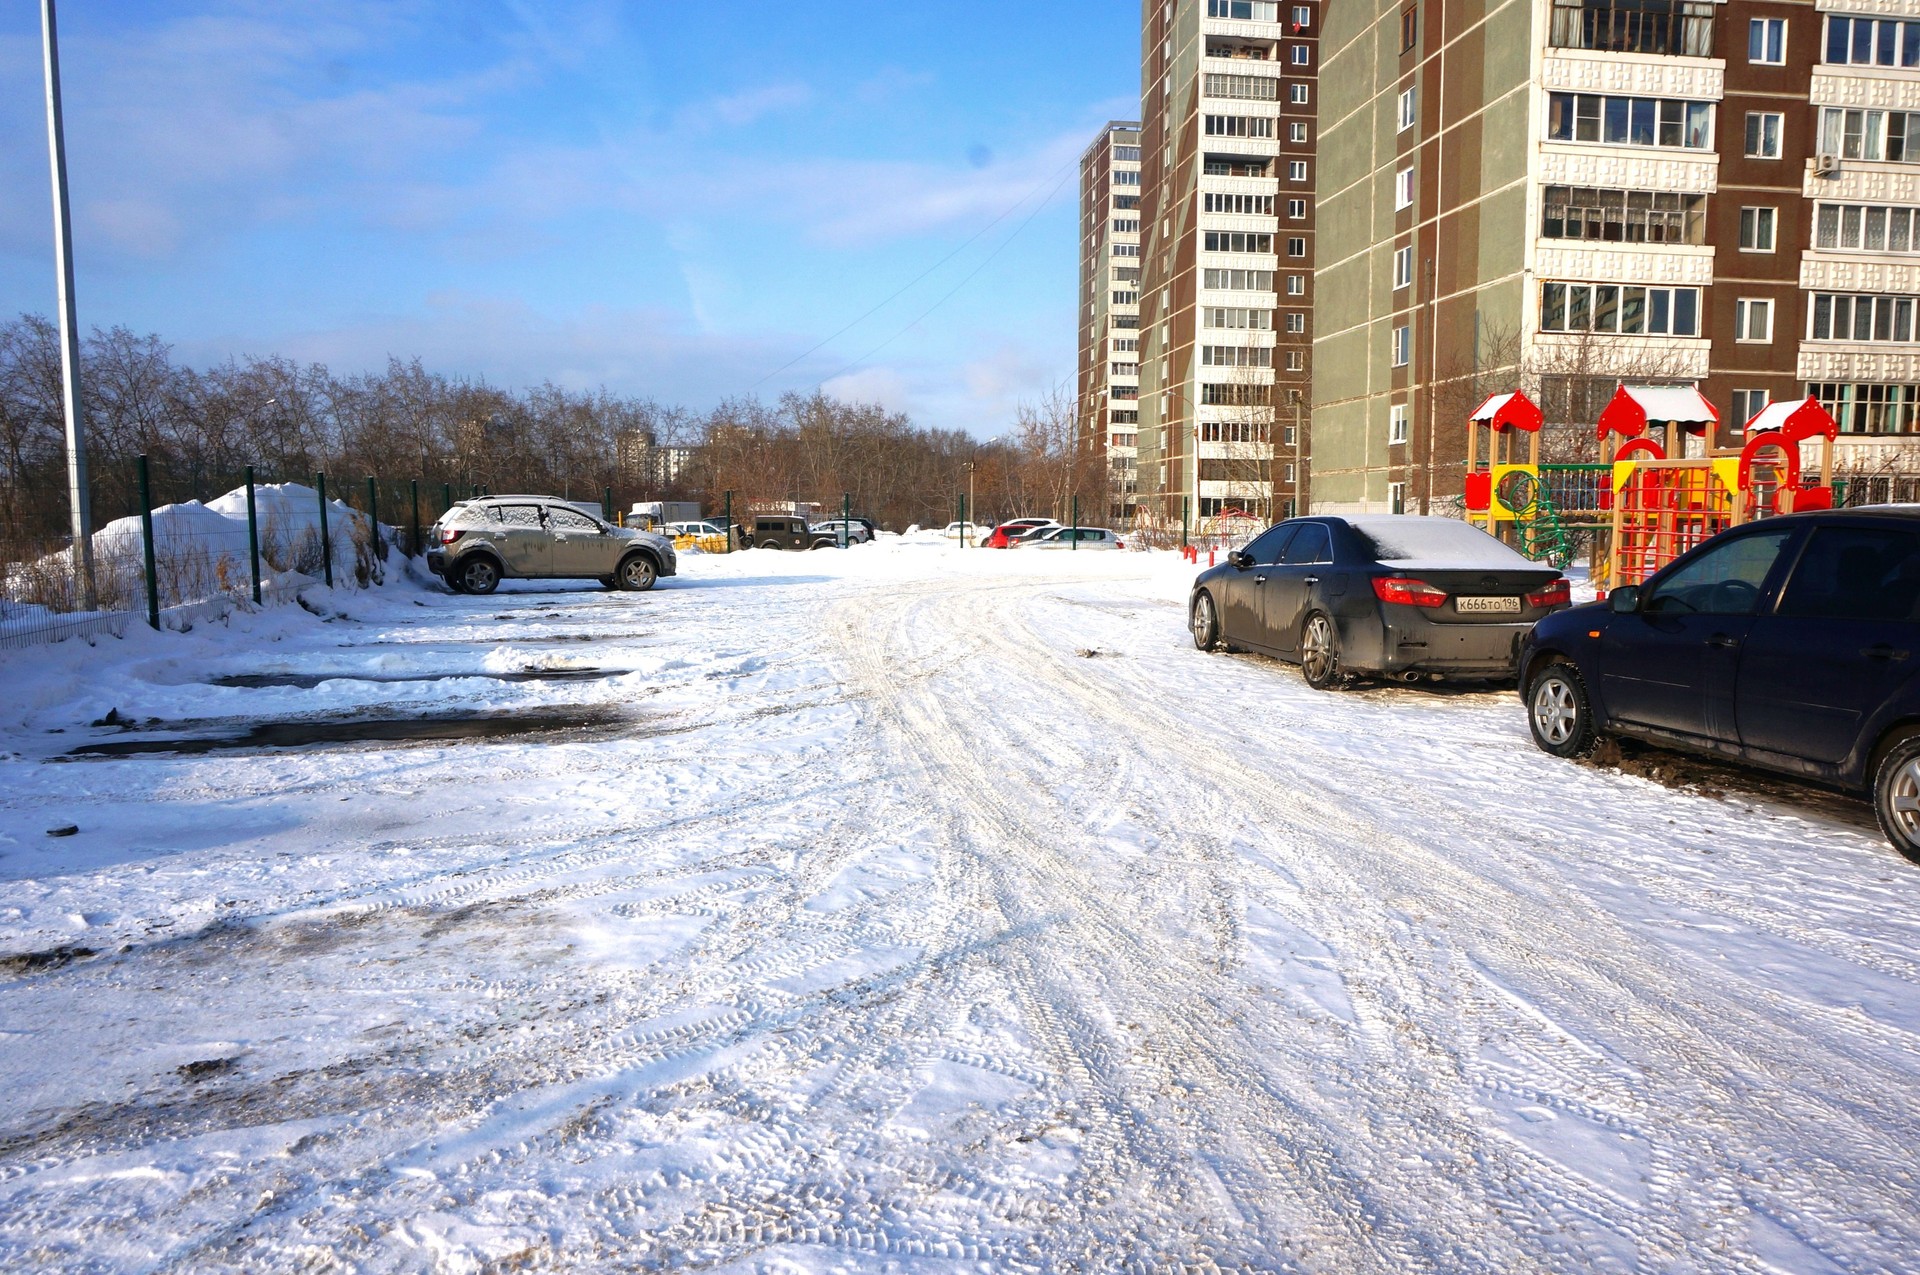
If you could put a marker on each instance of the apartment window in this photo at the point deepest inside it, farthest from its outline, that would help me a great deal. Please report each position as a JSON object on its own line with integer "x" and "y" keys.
{"x": 1248, "y": 205}
{"x": 1296, "y": 170}
{"x": 1126, "y": 345}
{"x": 1287, "y": 434}
{"x": 1297, "y": 93}
{"x": 1672, "y": 27}
{"x": 1402, "y": 268}
{"x": 1242, "y": 317}
{"x": 1235, "y": 394}
{"x": 1870, "y": 409}
{"x": 1302, "y": 17}
{"x": 1296, "y": 361}
{"x": 1126, "y": 416}
{"x": 1296, "y": 210}
{"x": 1872, "y": 41}
{"x": 1126, "y": 202}
{"x": 1126, "y": 250}
{"x": 1402, "y": 345}
{"x": 1629, "y": 121}
{"x": 1409, "y": 27}
{"x": 1622, "y": 216}
{"x": 1297, "y": 133}
{"x": 1763, "y": 134}
{"x": 1756, "y": 229}
{"x": 1239, "y": 126}
{"x": 1867, "y": 227}
{"x": 1125, "y": 322}
{"x": 1296, "y": 321}
{"x": 1629, "y": 309}
{"x": 1126, "y": 298}
{"x": 1406, "y": 110}
{"x": 1123, "y": 391}
{"x": 1403, "y": 189}
{"x": 1767, "y": 41}
{"x": 1842, "y": 317}
{"x": 1237, "y": 241}
{"x": 1748, "y": 404}
{"x": 1752, "y": 320}
{"x": 1127, "y": 154}
{"x": 1286, "y": 472}
{"x": 1300, "y": 54}
{"x": 1253, "y": 88}
{"x": 1251, "y": 10}
{"x": 1296, "y": 285}
{"x": 1126, "y": 225}
{"x": 1232, "y": 432}
{"x": 1124, "y": 369}
{"x": 1397, "y": 423}
{"x": 1214, "y": 166}
{"x": 1296, "y": 247}
{"x": 1238, "y": 280}
{"x": 1889, "y": 135}
{"x": 1236, "y": 356}
{"x": 1125, "y": 177}
{"x": 1396, "y": 498}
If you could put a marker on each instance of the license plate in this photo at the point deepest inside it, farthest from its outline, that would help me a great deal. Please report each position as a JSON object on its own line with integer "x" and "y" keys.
{"x": 1486, "y": 606}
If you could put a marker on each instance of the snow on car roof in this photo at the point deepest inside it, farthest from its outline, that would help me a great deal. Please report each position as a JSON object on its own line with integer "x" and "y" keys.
{"x": 1414, "y": 541}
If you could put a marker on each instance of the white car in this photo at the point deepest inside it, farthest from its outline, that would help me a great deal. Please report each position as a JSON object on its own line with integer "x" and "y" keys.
{"x": 955, "y": 530}
{"x": 694, "y": 529}
{"x": 855, "y": 531}
{"x": 1074, "y": 538}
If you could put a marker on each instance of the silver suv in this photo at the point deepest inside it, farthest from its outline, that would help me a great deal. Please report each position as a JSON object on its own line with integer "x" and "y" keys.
{"x": 477, "y": 543}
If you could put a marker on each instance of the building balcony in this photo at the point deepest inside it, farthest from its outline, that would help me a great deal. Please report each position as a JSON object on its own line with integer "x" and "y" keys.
{"x": 1602, "y": 262}
{"x": 1857, "y": 361}
{"x": 1831, "y": 271}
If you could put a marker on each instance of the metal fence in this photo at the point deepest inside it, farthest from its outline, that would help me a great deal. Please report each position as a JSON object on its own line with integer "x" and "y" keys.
{"x": 1876, "y": 489}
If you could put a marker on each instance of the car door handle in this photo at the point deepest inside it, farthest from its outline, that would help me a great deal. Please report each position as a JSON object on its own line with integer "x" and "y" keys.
{"x": 1310, "y": 580}
{"x": 1723, "y": 639}
{"x": 1883, "y": 652}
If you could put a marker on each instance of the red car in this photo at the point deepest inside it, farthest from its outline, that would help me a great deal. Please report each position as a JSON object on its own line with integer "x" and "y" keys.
{"x": 1006, "y": 533}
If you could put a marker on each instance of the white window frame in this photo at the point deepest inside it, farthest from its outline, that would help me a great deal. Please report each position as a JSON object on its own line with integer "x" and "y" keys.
{"x": 1296, "y": 285}
{"x": 1406, "y": 110}
{"x": 1296, "y": 361}
{"x": 1300, "y": 95}
{"x": 1765, "y": 27}
{"x": 1402, "y": 345}
{"x": 1301, "y": 55}
{"x": 1296, "y": 241}
{"x": 1751, "y": 314}
{"x": 1403, "y": 189}
{"x": 1397, "y": 424}
{"x": 1748, "y": 396}
{"x": 1302, "y": 16}
{"x": 1296, "y": 170}
{"x": 1297, "y": 133}
{"x": 1779, "y": 127}
{"x": 1754, "y": 218}
{"x": 1402, "y": 268}
{"x": 1296, "y": 210}
{"x": 1296, "y": 321}
{"x": 1396, "y": 498}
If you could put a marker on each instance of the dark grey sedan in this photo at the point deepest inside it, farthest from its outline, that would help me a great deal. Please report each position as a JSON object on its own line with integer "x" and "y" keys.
{"x": 1376, "y": 596}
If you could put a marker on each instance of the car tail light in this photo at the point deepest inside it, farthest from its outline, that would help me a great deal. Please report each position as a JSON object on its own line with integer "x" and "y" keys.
{"x": 1555, "y": 594}
{"x": 1119, "y": 544}
{"x": 448, "y": 535}
{"x": 1408, "y": 592}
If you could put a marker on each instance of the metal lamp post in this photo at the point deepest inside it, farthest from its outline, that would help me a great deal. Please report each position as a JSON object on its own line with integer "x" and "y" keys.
{"x": 79, "y": 500}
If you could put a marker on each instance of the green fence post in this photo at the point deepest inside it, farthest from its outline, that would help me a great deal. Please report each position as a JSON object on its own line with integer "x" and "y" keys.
{"x": 846, "y": 519}
{"x": 606, "y": 504}
{"x": 413, "y": 485}
{"x": 146, "y": 534}
{"x": 446, "y": 498}
{"x": 253, "y": 537}
{"x": 1076, "y": 524}
{"x": 729, "y": 526}
{"x": 1183, "y": 520}
{"x": 326, "y": 541}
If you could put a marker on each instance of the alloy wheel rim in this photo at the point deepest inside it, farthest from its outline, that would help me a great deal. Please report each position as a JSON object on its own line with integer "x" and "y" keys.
{"x": 1903, "y": 798}
{"x": 1553, "y": 711}
{"x": 1202, "y": 617}
{"x": 1316, "y": 653}
{"x": 638, "y": 573}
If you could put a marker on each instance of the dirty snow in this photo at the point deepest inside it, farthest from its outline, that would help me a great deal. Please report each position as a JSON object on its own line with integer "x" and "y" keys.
{"x": 909, "y": 908}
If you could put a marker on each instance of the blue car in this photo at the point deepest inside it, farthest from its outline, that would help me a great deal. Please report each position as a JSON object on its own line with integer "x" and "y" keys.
{"x": 1791, "y": 644}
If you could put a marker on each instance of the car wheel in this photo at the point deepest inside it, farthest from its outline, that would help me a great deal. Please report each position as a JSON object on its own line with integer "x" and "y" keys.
{"x": 1205, "y": 623}
{"x": 1320, "y": 653}
{"x": 636, "y": 574}
{"x": 1559, "y": 713}
{"x": 478, "y": 574}
{"x": 1896, "y": 793}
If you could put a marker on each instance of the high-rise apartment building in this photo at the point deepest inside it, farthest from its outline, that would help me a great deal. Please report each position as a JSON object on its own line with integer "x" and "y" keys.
{"x": 1109, "y": 379}
{"x": 1564, "y": 194}
{"x": 1228, "y": 102}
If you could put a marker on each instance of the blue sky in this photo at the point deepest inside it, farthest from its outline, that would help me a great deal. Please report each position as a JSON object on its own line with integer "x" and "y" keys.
{"x": 671, "y": 200}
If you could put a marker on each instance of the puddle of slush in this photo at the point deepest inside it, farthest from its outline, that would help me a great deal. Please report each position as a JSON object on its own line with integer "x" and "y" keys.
{"x": 307, "y": 681}
{"x": 400, "y": 730}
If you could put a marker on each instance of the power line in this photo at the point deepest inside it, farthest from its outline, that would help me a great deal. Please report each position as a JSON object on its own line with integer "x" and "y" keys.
{"x": 1011, "y": 209}
{"x": 985, "y": 262}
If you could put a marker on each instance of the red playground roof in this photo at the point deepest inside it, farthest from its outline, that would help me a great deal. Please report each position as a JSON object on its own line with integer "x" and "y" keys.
{"x": 1508, "y": 411}
{"x": 1633, "y": 406}
{"x": 1795, "y": 420}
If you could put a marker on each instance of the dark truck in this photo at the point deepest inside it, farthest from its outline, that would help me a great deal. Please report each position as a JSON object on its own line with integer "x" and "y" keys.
{"x": 787, "y": 531}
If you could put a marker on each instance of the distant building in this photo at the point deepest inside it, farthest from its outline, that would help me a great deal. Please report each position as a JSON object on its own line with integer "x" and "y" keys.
{"x": 644, "y": 461}
{"x": 1109, "y": 376}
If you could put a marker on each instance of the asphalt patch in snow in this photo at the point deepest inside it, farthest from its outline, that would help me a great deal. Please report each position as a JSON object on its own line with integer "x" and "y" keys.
{"x": 52, "y": 958}
{"x": 309, "y": 732}
{"x": 308, "y": 681}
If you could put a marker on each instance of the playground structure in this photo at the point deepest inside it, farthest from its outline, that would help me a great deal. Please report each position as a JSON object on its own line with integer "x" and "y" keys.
{"x": 1648, "y": 501}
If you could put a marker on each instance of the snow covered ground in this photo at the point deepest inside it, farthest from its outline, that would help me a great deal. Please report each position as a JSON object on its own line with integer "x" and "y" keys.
{"x": 909, "y": 908}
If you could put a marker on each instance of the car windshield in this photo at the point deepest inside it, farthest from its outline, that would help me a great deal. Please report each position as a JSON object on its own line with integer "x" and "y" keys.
{"x": 1415, "y": 542}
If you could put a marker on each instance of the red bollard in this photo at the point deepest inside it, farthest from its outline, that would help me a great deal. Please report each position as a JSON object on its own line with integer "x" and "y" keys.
{"x": 1210, "y": 554}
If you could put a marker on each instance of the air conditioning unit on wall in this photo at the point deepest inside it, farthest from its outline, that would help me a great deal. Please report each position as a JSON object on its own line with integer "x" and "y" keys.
{"x": 1826, "y": 164}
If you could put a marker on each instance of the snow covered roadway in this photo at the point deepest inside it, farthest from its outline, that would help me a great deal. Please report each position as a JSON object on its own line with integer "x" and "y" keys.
{"x": 911, "y": 909}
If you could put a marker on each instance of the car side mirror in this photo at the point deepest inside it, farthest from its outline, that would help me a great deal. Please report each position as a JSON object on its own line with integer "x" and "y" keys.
{"x": 1624, "y": 600}
{"x": 1240, "y": 558}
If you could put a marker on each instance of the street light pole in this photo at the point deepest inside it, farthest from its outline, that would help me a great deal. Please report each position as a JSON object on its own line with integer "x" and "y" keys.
{"x": 79, "y": 501}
